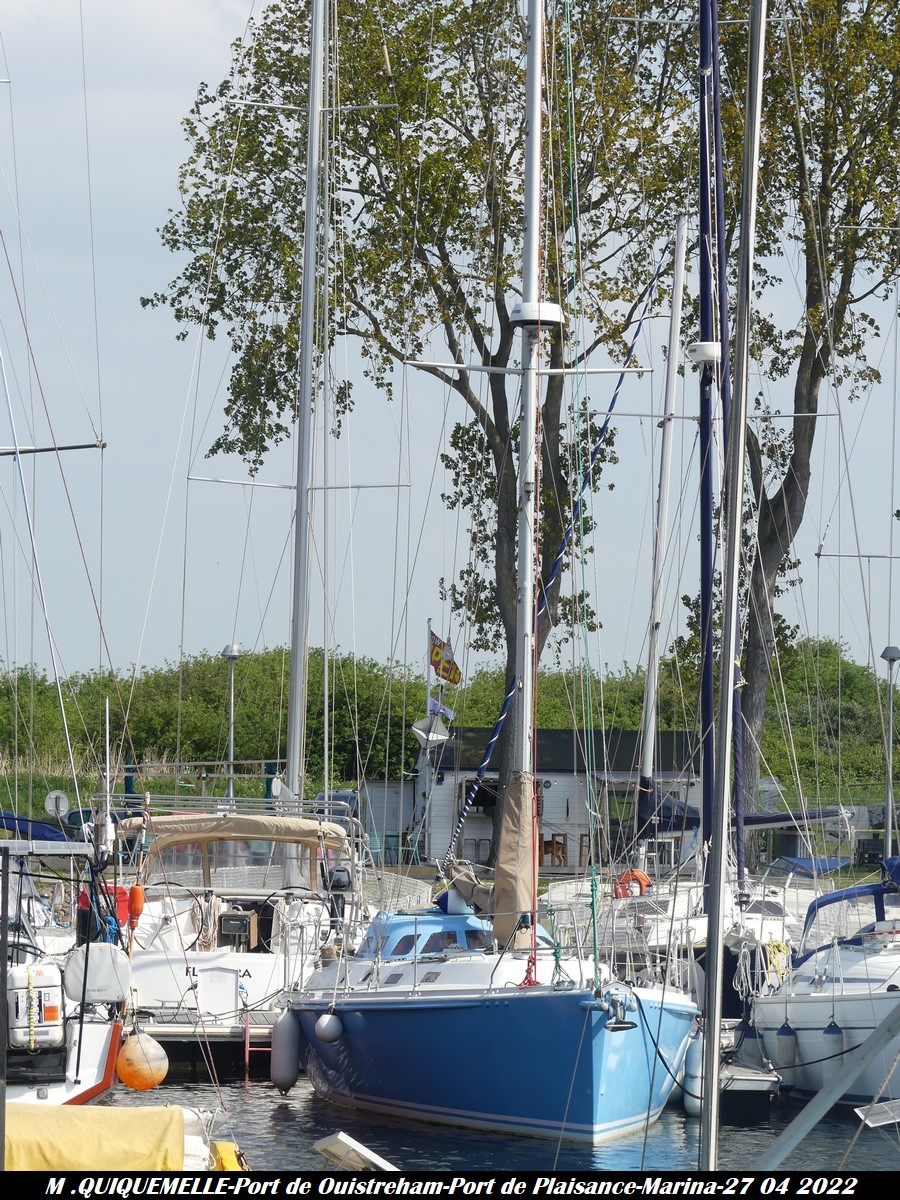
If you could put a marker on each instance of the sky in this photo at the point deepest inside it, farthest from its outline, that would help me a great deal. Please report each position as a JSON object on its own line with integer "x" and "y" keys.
{"x": 90, "y": 146}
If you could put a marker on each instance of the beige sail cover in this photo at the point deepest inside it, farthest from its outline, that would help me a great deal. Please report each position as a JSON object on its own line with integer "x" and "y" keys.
{"x": 515, "y": 878}
{"x": 516, "y": 872}
{"x": 172, "y": 828}
{"x": 466, "y": 883}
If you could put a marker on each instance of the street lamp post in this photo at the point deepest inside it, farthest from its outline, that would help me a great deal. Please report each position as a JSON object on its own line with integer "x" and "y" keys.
{"x": 231, "y": 654}
{"x": 890, "y": 654}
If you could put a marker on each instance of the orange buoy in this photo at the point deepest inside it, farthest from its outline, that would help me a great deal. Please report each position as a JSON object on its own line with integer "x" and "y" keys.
{"x": 142, "y": 1063}
{"x": 135, "y": 905}
{"x": 632, "y": 883}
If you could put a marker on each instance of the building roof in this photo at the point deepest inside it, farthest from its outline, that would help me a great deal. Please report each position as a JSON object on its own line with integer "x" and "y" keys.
{"x": 614, "y": 751}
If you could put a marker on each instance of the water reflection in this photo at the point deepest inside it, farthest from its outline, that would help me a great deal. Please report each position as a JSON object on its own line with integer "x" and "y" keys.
{"x": 277, "y": 1133}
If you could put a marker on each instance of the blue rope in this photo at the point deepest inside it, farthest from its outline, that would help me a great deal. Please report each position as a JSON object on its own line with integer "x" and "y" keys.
{"x": 106, "y": 924}
{"x": 106, "y": 927}
{"x": 479, "y": 775}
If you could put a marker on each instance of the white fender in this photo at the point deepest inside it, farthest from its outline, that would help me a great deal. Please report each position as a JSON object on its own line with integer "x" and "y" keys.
{"x": 692, "y": 1080}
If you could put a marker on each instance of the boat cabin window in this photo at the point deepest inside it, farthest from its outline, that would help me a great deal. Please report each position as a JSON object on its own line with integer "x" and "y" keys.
{"x": 436, "y": 943}
{"x": 849, "y": 918}
{"x": 178, "y": 866}
{"x": 891, "y": 922}
{"x": 371, "y": 946}
{"x": 233, "y": 864}
{"x": 479, "y": 939}
{"x": 765, "y": 908}
{"x": 444, "y": 939}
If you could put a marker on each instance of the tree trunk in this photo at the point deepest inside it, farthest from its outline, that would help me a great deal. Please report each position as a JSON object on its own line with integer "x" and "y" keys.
{"x": 551, "y": 524}
{"x": 780, "y": 517}
{"x": 758, "y": 653}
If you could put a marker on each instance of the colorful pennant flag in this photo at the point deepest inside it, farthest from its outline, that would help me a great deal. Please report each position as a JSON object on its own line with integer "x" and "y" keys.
{"x": 442, "y": 661}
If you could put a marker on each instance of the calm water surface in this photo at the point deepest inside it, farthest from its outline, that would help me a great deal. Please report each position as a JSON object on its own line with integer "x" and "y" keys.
{"x": 277, "y": 1133}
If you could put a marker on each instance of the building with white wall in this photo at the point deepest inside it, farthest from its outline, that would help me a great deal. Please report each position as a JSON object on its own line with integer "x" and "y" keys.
{"x": 583, "y": 784}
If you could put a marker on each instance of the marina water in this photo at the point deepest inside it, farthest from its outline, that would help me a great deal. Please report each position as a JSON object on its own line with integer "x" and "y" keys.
{"x": 276, "y": 1134}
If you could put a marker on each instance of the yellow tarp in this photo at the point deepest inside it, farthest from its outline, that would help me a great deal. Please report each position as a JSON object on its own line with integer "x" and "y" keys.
{"x": 66, "y": 1138}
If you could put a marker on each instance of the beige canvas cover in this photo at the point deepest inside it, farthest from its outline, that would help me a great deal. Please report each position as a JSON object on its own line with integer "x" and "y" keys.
{"x": 515, "y": 877}
{"x": 466, "y": 883}
{"x": 169, "y": 829}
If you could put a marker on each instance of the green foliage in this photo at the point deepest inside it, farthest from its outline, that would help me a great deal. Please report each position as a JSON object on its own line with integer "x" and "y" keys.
{"x": 829, "y": 176}
{"x": 179, "y": 715}
{"x": 833, "y": 709}
{"x": 824, "y": 719}
{"x": 427, "y": 121}
{"x": 823, "y": 722}
{"x": 427, "y": 208}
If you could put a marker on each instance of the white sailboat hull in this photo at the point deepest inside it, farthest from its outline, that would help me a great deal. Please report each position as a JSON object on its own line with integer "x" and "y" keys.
{"x": 832, "y": 1003}
{"x": 845, "y": 983}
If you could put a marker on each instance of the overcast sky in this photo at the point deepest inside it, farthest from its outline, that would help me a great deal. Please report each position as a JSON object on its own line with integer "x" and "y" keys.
{"x": 90, "y": 145}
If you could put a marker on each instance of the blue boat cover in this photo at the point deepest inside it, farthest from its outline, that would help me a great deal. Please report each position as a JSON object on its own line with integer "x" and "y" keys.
{"x": 34, "y": 830}
{"x": 667, "y": 812}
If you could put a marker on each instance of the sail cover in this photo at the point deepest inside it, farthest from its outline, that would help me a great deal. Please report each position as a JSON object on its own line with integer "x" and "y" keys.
{"x": 516, "y": 873}
{"x": 512, "y": 895}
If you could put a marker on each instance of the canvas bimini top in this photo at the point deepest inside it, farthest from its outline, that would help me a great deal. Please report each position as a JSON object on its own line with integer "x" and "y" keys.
{"x": 245, "y": 851}
{"x": 171, "y": 829}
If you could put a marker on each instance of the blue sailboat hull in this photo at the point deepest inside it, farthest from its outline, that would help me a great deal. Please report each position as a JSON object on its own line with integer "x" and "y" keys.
{"x": 533, "y": 1060}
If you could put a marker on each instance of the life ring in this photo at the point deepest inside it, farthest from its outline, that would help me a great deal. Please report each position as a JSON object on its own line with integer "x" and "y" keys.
{"x": 632, "y": 883}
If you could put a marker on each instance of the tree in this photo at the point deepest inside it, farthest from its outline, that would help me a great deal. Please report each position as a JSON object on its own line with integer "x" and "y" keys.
{"x": 831, "y": 706}
{"x": 830, "y": 176}
{"x": 427, "y": 214}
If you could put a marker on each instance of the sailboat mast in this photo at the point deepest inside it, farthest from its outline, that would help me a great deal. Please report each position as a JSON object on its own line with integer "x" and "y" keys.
{"x": 523, "y": 741}
{"x": 515, "y": 879}
{"x": 725, "y": 393}
{"x": 707, "y": 381}
{"x": 649, "y": 719}
{"x": 531, "y": 316}
{"x": 300, "y": 613}
{"x": 734, "y": 477}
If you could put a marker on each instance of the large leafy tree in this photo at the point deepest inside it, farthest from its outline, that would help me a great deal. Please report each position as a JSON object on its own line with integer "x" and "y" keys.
{"x": 427, "y": 223}
{"x": 427, "y": 218}
{"x": 827, "y": 256}
{"x": 830, "y": 177}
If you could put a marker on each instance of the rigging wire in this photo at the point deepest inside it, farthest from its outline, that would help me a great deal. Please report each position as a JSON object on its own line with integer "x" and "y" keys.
{"x": 35, "y": 387}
